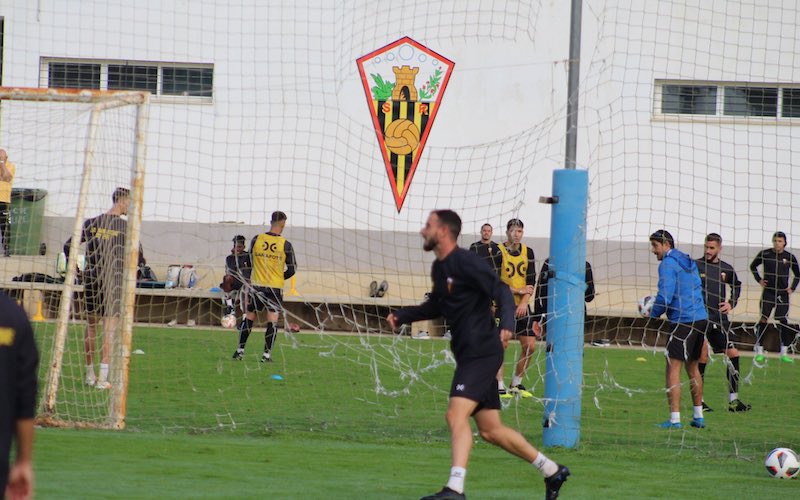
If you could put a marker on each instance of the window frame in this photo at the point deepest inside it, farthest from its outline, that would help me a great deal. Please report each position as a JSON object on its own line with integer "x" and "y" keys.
{"x": 158, "y": 96}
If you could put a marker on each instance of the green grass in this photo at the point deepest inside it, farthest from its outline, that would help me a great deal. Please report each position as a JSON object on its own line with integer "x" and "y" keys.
{"x": 363, "y": 417}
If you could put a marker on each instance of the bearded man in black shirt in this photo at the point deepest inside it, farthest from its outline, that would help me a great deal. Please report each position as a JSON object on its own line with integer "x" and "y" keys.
{"x": 463, "y": 289}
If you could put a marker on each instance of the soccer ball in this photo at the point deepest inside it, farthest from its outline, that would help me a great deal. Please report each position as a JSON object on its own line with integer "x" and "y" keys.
{"x": 646, "y": 305}
{"x": 782, "y": 463}
{"x": 228, "y": 321}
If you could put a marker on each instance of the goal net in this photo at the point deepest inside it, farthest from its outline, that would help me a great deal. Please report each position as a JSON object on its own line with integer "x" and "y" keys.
{"x": 92, "y": 144}
{"x": 688, "y": 121}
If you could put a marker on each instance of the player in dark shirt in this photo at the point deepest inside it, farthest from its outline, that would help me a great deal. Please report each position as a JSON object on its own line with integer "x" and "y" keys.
{"x": 18, "y": 361}
{"x": 463, "y": 289}
{"x": 239, "y": 268}
{"x": 777, "y": 263}
{"x": 488, "y": 249}
{"x": 540, "y": 300}
{"x": 716, "y": 276}
{"x": 102, "y": 278}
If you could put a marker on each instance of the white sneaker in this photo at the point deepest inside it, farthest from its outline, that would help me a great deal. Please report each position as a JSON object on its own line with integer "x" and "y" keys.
{"x": 447, "y": 335}
{"x": 103, "y": 386}
{"x": 421, "y": 335}
{"x": 90, "y": 379}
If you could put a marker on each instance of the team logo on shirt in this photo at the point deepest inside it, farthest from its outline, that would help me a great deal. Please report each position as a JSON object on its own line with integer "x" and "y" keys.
{"x": 460, "y": 387}
{"x": 449, "y": 285}
{"x": 723, "y": 276}
{"x": 404, "y": 83}
{"x": 6, "y": 336}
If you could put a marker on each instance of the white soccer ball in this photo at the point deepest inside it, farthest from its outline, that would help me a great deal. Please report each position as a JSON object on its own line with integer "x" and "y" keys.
{"x": 228, "y": 321}
{"x": 646, "y": 305}
{"x": 782, "y": 463}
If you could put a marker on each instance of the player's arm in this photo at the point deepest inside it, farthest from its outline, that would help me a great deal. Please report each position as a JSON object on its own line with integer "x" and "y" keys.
{"x": 666, "y": 289}
{"x": 540, "y": 296}
{"x": 5, "y": 172}
{"x": 736, "y": 287}
{"x": 291, "y": 261}
{"x": 759, "y": 260}
{"x": 588, "y": 295}
{"x": 796, "y": 273}
{"x": 20, "y": 478}
{"x": 496, "y": 257}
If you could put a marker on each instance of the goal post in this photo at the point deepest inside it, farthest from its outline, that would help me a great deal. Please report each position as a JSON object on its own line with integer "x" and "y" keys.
{"x": 31, "y": 119}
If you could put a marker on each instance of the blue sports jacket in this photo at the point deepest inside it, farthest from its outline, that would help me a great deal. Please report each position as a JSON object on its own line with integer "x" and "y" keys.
{"x": 680, "y": 291}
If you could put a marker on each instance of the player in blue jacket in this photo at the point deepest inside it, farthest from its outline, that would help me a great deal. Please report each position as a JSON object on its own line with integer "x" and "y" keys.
{"x": 680, "y": 296}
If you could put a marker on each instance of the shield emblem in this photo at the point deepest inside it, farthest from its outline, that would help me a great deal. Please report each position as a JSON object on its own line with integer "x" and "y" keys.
{"x": 404, "y": 83}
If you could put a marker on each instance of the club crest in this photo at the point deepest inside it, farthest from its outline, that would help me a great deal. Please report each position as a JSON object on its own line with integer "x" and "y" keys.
{"x": 404, "y": 83}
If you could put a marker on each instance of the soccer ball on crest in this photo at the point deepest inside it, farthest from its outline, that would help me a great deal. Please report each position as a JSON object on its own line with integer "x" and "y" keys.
{"x": 228, "y": 321}
{"x": 782, "y": 463}
{"x": 646, "y": 305}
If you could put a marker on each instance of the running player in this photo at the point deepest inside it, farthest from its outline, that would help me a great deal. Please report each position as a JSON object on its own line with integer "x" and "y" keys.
{"x": 717, "y": 275}
{"x": 777, "y": 263}
{"x": 273, "y": 262}
{"x": 518, "y": 271}
{"x": 463, "y": 290}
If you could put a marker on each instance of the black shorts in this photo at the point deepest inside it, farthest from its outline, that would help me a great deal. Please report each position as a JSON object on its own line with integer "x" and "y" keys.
{"x": 686, "y": 340}
{"x": 522, "y": 326}
{"x": 101, "y": 297}
{"x": 476, "y": 379}
{"x": 265, "y": 299}
{"x": 720, "y": 336}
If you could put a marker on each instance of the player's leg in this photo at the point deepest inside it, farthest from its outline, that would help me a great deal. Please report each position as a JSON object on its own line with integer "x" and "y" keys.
{"x": 251, "y": 305}
{"x": 694, "y": 344}
{"x": 274, "y": 307}
{"x": 89, "y": 346}
{"x": 766, "y": 304}
{"x": 786, "y": 332}
{"x": 675, "y": 357}
{"x": 110, "y": 325}
{"x": 527, "y": 343}
{"x": 732, "y": 354}
{"x": 701, "y": 364}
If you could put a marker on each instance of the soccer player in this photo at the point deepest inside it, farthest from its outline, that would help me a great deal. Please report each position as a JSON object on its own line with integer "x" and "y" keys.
{"x": 239, "y": 268}
{"x": 18, "y": 361}
{"x": 273, "y": 262}
{"x": 463, "y": 289}
{"x": 680, "y": 295}
{"x": 104, "y": 236}
{"x": 777, "y": 262}
{"x": 518, "y": 271}
{"x": 488, "y": 249}
{"x": 540, "y": 299}
{"x": 716, "y": 275}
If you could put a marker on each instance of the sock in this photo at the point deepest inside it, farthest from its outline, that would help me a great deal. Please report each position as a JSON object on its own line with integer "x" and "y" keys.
{"x": 103, "y": 372}
{"x": 675, "y": 416}
{"x": 733, "y": 376}
{"x": 733, "y": 396}
{"x": 760, "y": 327}
{"x": 546, "y": 466}
{"x": 229, "y": 302}
{"x": 456, "y": 481}
{"x": 501, "y": 385}
{"x": 698, "y": 411}
{"x": 702, "y": 368}
{"x": 784, "y": 349}
{"x": 269, "y": 337}
{"x": 90, "y": 371}
{"x": 516, "y": 380}
{"x": 244, "y": 331}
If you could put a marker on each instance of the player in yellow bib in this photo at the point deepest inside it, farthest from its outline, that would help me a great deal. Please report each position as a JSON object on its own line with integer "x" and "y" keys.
{"x": 273, "y": 261}
{"x": 518, "y": 271}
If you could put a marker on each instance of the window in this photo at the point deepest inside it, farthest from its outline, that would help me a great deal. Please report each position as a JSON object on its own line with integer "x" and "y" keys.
{"x": 130, "y": 77}
{"x": 187, "y": 81}
{"x": 689, "y": 99}
{"x": 63, "y": 75}
{"x": 751, "y": 101}
{"x": 195, "y": 82}
{"x": 791, "y": 103}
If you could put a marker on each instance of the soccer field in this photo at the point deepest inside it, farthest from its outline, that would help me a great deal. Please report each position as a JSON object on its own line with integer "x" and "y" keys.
{"x": 363, "y": 416}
